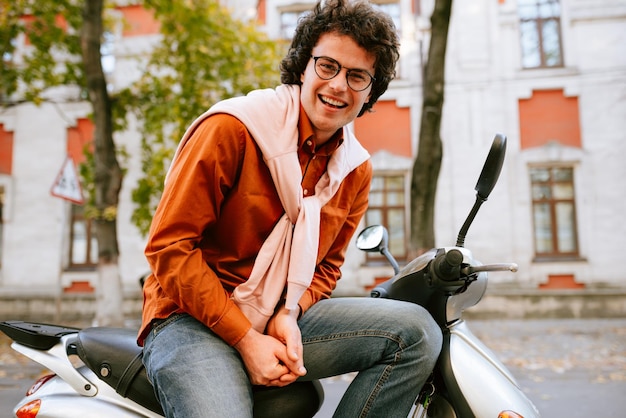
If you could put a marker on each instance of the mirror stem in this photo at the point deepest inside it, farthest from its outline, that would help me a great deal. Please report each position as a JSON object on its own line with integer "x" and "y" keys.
{"x": 460, "y": 241}
{"x": 385, "y": 251}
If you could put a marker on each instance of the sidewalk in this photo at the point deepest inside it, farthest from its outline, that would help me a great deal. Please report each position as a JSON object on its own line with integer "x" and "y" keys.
{"x": 568, "y": 367}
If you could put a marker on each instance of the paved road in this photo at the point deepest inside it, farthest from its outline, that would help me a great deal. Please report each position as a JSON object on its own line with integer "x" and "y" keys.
{"x": 569, "y": 368}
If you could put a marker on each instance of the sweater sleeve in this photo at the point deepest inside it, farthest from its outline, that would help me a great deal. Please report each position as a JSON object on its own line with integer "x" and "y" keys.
{"x": 204, "y": 171}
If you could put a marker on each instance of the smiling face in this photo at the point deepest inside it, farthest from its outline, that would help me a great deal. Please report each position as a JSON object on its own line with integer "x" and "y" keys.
{"x": 331, "y": 104}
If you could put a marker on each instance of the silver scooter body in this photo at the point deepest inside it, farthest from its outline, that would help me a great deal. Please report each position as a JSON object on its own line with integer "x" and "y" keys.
{"x": 486, "y": 385}
{"x": 74, "y": 391}
{"x": 469, "y": 380}
{"x": 473, "y": 375}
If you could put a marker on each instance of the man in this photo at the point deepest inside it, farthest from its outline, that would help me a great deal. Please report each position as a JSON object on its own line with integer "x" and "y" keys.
{"x": 262, "y": 198}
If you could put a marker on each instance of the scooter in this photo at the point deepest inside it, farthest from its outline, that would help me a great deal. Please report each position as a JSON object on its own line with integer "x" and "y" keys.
{"x": 97, "y": 371}
{"x": 468, "y": 379}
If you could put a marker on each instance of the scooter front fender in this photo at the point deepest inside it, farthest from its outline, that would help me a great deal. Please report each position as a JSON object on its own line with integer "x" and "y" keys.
{"x": 60, "y": 400}
{"x": 476, "y": 378}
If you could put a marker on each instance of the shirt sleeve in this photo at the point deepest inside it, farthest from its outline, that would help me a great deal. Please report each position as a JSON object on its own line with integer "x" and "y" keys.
{"x": 204, "y": 171}
{"x": 336, "y": 233}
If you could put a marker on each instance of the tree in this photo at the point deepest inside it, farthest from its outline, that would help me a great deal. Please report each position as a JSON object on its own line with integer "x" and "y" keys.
{"x": 200, "y": 42}
{"x": 107, "y": 173}
{"x": 428, "y": 161}
{"x": 205, "y": 56}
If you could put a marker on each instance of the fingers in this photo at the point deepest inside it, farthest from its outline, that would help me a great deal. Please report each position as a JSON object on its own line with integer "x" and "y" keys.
{"x": 293, "y": 344}
{"x": 284, "y": 327}
{"x": 293, "y": 361}
{"x": 285, "y": 379}
{"x": 273, "y": 374}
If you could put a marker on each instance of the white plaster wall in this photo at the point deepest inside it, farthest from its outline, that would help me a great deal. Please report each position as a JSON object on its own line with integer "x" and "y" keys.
{"x": 484, "y": 84}
{"x": 33, "y": 233}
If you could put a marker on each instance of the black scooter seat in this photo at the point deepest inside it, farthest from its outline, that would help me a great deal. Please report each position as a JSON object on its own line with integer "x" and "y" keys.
{"x": 113, "y": 354}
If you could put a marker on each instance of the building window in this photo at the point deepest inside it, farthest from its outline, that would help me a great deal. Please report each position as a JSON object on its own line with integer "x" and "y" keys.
{"x": 554, "y": 211}
{"x": 540, "y": 32}
{"x": 289, "y": 21}
{"x": 289, "y": 16}
{"x": 392, "y": 8}
{"x": 387, "y": 207}
{"x": 83, "y": 243}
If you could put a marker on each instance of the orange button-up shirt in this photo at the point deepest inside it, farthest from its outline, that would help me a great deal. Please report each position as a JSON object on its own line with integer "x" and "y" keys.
{"x": 218, "y": 207}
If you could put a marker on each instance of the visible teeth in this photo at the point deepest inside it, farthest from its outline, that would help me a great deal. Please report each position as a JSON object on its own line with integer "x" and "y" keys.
{"x": 332, "y": 101}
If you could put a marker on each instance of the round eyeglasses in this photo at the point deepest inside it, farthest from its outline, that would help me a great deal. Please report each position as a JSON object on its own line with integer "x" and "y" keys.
{"x": 327, "y": 68}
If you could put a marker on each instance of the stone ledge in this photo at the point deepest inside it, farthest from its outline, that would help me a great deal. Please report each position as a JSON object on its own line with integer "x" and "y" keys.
{"x": 69, "y": 307}
{"x": 512, "y": 303}
{"x": 500, "y": 302}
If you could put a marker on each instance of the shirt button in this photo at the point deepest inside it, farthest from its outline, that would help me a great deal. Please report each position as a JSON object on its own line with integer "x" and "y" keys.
{"x": 309, "y": 143}
{"x": 306, "y": 192}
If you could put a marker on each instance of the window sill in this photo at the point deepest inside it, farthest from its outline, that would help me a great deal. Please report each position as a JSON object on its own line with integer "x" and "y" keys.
{"x": 558, "y": 259}
{"x": 535, "y": 72}
{"x": 85, "y": 268}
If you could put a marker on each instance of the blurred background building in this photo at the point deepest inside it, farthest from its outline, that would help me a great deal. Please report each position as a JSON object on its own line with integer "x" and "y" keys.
{"x": 549, "y": 74}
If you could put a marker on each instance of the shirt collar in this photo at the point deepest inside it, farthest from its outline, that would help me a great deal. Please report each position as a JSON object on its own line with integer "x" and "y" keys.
{"x": 307, "y": 142}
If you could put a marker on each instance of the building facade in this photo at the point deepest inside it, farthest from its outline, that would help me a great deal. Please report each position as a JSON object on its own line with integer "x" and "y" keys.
{"x": 549, "y": 74}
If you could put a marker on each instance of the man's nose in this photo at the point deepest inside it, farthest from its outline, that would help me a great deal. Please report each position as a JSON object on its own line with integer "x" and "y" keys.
{"x": 340, "y": 81}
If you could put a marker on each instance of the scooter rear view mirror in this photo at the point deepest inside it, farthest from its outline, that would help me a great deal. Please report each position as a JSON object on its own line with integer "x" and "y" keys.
{"x": 486, "y": 181}
{"x": 372, "y": 238}
{"x": 492, "y": 168}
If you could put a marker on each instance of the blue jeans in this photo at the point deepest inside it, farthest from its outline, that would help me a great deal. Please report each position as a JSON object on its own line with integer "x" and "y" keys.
{"x": 393, "y": 345}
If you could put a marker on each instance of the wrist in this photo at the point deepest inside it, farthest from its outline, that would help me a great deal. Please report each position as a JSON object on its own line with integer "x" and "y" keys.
{"x": 293, "y": 313}
{"x": 243, "y": 342}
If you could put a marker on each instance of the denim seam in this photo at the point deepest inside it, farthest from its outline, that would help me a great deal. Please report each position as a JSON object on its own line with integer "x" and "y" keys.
{"x": 377, "y": 388}
{"x": 352, "y": 334}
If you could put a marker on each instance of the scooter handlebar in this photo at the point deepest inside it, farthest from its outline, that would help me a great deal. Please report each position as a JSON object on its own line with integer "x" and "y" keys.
{"x": 446, "y": 266}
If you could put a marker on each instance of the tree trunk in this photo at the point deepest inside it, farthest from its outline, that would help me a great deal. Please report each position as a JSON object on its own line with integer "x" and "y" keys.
{"x": 107, "y": 171}
{"x": 428, "y": 161}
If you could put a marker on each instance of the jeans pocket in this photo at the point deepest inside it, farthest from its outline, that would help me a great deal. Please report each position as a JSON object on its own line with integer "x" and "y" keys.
{"x": 159, "y": 324}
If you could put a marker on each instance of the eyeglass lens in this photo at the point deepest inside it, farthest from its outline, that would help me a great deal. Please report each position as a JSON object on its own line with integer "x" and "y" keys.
{"x": 327, "y": 68}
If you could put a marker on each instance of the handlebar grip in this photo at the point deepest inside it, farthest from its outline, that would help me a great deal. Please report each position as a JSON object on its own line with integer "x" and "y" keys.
{"x": 446, "y": 266}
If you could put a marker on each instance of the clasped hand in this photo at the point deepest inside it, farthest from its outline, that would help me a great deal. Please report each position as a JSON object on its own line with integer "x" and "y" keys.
{"x": 275, "y": 358}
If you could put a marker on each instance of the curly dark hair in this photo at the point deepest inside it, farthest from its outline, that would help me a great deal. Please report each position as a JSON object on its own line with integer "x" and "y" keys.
{"x": 371, "y": 29}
